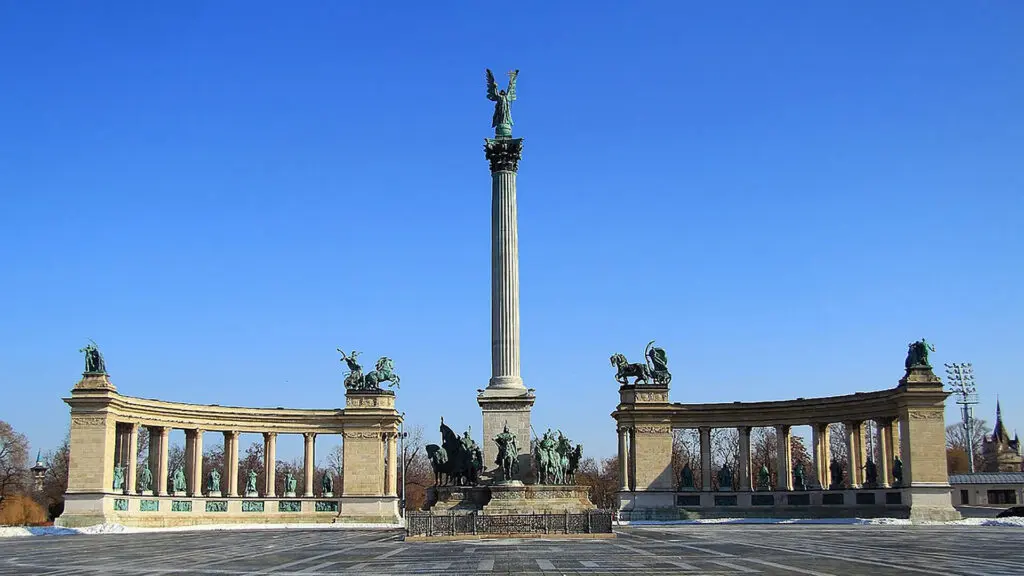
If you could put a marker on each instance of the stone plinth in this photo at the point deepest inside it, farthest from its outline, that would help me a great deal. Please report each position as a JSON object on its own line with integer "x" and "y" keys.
{"x": 510, "y": 498}
{"x": 502, "y": 406}
{"x": 538, "y": 498}
{"x": 457, "y": 498}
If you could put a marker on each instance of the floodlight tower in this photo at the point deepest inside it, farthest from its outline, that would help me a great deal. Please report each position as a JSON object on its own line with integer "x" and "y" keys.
{"x": 961, "y": 380}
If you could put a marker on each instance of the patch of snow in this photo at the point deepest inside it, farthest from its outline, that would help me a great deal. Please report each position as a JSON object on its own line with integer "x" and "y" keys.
{"x": 838, "y": 521}
{"x": 1013, "y": 521}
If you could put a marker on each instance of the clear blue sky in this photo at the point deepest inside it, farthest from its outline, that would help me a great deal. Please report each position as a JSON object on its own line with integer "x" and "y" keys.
{"x": 782, "y": 194}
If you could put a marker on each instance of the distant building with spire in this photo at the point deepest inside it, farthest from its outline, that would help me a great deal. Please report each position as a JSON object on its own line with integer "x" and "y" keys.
{"x": 1001, "y": 454}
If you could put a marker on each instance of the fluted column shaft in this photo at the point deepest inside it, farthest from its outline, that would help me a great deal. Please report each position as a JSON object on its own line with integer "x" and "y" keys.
{"x": 160, "y": 477}
{"x": 705, "y": 458}
{"x": 133, "y": 457}
{"x": 307, "y": 465}
{"x": 270, "y": 464}
{"x": 884, "y": 451}
{"x": 819, "y": 433}
{"x": 231, "y": 461}
{"x": 504, "y": 282}
{"x": 744, "y": 470}
{"x": 195, "y": 476}
{"x": 392, "y": 487}
{"x": 784, "y": 456}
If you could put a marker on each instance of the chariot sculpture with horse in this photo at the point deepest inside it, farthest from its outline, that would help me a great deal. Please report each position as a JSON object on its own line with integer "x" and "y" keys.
{"x": 384, "y": 371}
{"x": 655, "y": 371}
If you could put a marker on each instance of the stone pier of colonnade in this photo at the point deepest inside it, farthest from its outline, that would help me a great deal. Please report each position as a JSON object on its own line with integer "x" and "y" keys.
{"x": 911, "y": 473}
{"x": 107, "y": 482}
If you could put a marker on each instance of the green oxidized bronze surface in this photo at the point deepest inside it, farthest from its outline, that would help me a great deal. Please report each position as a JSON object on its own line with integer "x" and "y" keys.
{"x": 217, "y": 506}
{"x": 213, "y": 481}
{"x": 94, "y": 363}
{"x": 326, "y": 506}
{"x": 556, "y": 459}
{"x": 458, "y": 460}
{"x": 917, "y": 354}
{"x": 327, "y": 483}
{"x": 181, "y": 506}
{"x": 289, "y": 506}
{"x": 501, "y": 121}
{"x": 384, "y": 371}
{"x": 656, "y": 368}
{"x": 178, "y": 480}
{"x": 145, "y": 481}
{"x": 121, "y": 504}
{"x": 149, "y": 505}
{"x": 252, "y": 506}
{"x": 118, "y": 478}
{"x": 508, "y": 453}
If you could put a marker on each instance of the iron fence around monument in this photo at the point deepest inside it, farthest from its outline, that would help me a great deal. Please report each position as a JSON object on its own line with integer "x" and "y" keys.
{"x": 429, "y": 524}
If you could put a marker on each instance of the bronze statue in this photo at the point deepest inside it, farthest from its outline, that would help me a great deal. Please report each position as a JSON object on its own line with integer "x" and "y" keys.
{"x": 327, "y": 484}
{"x": 213, "y": 482}
{"x": 508, "y": 454}
{"x": 870, "y": 474}
{"x": 655, "y": 369}
{"x": 119, "y": 478}
{"x": 502, "y": 119}
{"x": 384, "y": 371}
{"x": 917, "y": 354}
{"x": 764, "y": 478}
{"x": 178, "y": 481}
{"x": 457, "y": 460}
{"x": 897, "y": 472}
{"x": 836, "y": 471}
{"x": 94, "y": 363}
{"x": 686, "y": 478}
{"x": 145, "y": 481}
{"x": 799, "y": 482}
{"x": 725, "y": 477}
{"x": 250, "y": 484}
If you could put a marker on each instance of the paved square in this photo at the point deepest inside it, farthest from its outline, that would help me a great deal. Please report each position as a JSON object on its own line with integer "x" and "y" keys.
{"x": 706, "y": 549}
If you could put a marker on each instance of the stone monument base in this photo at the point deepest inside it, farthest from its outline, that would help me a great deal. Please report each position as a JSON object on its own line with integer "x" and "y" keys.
{"x": 215, "y": 494}
{"x": 510, "y": 498}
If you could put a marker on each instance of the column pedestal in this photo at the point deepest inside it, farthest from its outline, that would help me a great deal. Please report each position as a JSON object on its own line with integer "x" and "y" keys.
{"x": 501, "y": 406}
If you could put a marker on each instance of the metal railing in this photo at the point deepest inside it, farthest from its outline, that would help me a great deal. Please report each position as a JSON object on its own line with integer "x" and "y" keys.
{"x": 473, "y": 523}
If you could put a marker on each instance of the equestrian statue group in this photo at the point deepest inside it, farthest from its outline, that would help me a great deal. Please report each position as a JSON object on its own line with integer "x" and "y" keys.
{"x": 355, "y": 379}
{"x": 654, "y": 372}
{"x": 458, "y": 460}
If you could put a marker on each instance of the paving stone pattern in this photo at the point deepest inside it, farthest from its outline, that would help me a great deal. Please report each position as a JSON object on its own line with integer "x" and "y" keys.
{"x": 707, "y": 549}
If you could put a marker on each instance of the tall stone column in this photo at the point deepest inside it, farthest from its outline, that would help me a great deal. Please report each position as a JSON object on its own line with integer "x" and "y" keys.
{"x": 623, "y": 460}
{"x": 133, "y": 459}
{"x": 705, "y": 458}
{"x": 160, "y": 476}
{"x": 784, "y": 458}
{"x": 505, "y": 401}
{"x": 307, "y": 464}
{"x": 194, "y": 441}
{"x": 819, "y": 435}
{"x": 632, "y": 457}
{"x": 231, "y": 462}
{"x": 884, "y": 452}
{"x": 269, "y": 464}
{"x": 744, "y": 472}
{"x": 853, "y": 435}
{"x": 888, "y": 451}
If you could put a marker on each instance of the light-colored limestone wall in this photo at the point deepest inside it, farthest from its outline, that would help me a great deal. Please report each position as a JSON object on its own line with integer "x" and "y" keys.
{"x": 104, "y": 426}
{"x": 498, "y": 408}
{"x": 654, "y": 457}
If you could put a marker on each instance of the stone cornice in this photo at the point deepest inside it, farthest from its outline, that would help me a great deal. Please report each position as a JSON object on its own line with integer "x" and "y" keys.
{"x": 884, "y": 404}
{"x": 214, "y": 418}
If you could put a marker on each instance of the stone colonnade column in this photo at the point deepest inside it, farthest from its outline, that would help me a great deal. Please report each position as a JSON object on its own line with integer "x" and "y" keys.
{"x": 392, "y": 489}
{"x": 269, "y": 464}
{"x": 194, "y": 450}
{"x": 623, "y": 459}
{"x": 705, "y": 458}
{"x": 160, "y": 476}
{"x": 231, "y": 462}
{"x": 784, "y": 458}
{"x": 819, "y": 433}
{"x": 889, "y": 449}
{"x": 884, "y": 452}
{"x": 133, "y": 459}
{"x": 744, "y": 472}
{"x": 307, "y": 463}
{"x": 853, "y": 433}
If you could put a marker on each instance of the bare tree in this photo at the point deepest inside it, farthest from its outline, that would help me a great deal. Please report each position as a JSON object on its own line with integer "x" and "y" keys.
{"x": 602, "y": 478}
{"x": 55, "y": 483}
{"x": 13, "y": 460}
{"x": 685, "y": 449}
{"x": 956, "y": 439}
{"x": 418, "y": 473}
{"x": 253, "y": 460}
{"x": 839, "y": 452}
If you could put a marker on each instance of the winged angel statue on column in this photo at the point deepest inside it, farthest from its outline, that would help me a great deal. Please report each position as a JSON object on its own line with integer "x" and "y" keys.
{"x": 502, "y": 120}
